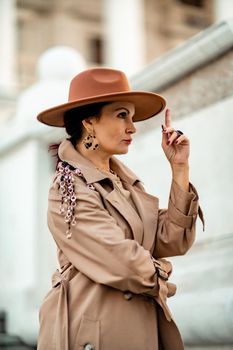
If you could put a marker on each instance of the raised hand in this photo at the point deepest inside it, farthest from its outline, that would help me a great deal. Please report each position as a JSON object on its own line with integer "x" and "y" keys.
{"x": 176, "y": 146}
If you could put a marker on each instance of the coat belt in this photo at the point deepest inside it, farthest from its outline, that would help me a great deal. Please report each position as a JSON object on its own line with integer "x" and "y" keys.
{"x": 62, "y": 314}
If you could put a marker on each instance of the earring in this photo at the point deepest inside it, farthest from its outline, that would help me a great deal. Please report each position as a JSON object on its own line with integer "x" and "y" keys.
{"x": 89, "y": 143}
{"x": 95, "y": 144}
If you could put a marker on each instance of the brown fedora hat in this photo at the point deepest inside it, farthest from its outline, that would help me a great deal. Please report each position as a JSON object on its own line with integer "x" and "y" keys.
{"x": 103, "y": 85}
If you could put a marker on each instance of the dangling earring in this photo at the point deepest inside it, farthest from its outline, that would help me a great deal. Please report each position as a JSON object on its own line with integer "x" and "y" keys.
{"x": 94, "y": 143}
{"x": 90, "y": 142}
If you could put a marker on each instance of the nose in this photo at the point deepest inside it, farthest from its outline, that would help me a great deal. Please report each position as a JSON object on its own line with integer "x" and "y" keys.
{"x": 131, "y": 128}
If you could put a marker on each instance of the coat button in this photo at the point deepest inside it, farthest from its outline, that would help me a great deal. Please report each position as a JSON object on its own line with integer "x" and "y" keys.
{"x": 128, "y": 295}
{"x": 89, "y": 346}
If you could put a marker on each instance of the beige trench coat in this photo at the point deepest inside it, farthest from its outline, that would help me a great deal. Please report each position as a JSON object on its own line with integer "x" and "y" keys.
{"x": 107, "y": 294}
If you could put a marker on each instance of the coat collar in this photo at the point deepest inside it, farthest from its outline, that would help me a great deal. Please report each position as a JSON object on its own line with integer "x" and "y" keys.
{"x": 69, "y": 154}
{"x": 144, "y": 225}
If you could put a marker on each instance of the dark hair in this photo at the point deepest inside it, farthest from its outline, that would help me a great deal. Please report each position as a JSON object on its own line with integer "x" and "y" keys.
{"x": 73, "y": 119}
{"x": 73, "y": 123}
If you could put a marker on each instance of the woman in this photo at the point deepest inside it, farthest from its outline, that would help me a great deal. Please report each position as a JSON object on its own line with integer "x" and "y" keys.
{"x": 110, "y": 291}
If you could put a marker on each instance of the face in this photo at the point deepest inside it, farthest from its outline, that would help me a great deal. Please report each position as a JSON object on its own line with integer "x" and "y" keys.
{"x": 115, "y": 127}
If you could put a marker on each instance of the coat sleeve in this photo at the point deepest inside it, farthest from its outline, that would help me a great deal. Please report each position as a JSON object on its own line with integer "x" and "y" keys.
{"x": 97, "y": 247}
{"x": 176, "y": 224}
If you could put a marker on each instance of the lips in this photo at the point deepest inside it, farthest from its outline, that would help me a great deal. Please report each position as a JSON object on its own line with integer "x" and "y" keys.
{"x": 128, "y": 141}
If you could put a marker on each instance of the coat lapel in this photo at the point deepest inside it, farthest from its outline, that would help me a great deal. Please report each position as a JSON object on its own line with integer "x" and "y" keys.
{"x": 147, "y": 206}
{"x": 120, "y": 203}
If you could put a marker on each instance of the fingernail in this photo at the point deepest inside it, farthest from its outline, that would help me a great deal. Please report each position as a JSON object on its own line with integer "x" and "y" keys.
{"x": 163, "y": 128}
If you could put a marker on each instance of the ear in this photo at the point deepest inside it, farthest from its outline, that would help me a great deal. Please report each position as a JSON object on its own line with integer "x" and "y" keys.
{"x": 88, "y": 125}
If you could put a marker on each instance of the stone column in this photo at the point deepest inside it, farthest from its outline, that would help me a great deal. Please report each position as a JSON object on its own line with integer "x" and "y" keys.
{"x": 223, "y": 9}
{"x": 124, "y": 34}
{"x": 7, "y": 47}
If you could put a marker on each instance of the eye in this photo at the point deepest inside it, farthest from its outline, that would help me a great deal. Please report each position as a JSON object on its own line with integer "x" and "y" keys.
{"x": 122, "y": 114}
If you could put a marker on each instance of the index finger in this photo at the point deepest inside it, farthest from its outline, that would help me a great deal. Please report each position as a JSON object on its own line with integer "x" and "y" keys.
{"x": 168, "y": 117}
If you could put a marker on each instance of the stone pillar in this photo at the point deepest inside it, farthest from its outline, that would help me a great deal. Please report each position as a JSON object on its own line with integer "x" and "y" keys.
{"x": 7, "y": 47}
{"x": 124, "y": 34}
{"x": 223, "y": 9}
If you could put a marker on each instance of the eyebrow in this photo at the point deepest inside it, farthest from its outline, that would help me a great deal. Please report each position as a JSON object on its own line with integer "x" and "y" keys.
{"x": 117, "y": 109}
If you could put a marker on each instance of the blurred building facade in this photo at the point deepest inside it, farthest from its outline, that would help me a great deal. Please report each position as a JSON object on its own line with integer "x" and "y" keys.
{"x": 80, "y": 24}
{"x": 195, "y": 77}
{"x": 100, "y": 30}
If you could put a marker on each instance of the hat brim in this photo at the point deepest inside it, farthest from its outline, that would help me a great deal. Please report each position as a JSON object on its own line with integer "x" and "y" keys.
{"x": 147, "y": 105}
